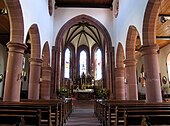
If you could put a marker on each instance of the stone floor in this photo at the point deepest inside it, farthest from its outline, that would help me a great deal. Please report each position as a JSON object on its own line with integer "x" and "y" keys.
{"x": 83, "y": 114}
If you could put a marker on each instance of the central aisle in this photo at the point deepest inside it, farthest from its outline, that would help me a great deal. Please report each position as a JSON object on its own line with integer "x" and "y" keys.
{"x": 83, "y": 114}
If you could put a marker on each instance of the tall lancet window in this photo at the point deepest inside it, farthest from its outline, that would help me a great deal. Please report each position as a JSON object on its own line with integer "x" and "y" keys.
{"x": 98, "y": 69}
{"x": 168, "y": 65}
{"x": 83, "y": 62}
{"x": 67, "y": 64}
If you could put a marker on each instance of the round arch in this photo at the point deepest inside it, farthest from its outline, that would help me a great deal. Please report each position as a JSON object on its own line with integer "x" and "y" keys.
{"x": 150, "y": 21}
{"x": 45, "y": 86}
{"x": 16, "y": 50}
{"x": 119, "y": 77}
{"x": 35, "y": 62}
{"x": 130, "y": 64}
{"x": 149, "y": 52}
{"x": 16, "y": 21}
{"x": 120, "y": 56}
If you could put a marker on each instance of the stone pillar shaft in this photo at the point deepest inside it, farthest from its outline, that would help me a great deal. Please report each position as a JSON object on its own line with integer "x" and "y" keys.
{"x": 132, "y": 91}
{"x": 46, "y": 82}
{"x": 34, "y": 79}
{"x": 120, "y": 84}
{"x": 151, "y": 69}
{"x": 13, "y": 71}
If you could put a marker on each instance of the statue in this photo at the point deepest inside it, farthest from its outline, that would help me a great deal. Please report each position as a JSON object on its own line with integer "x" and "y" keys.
{"x": 83, "y": 78}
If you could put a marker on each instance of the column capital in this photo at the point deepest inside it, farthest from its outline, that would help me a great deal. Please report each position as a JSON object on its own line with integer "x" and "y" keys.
{"x": 149, "y": 49}
{"x": 130, "y": 62}
{"x": 16, "y": 47}
{"x": 46, "y": 68}
{"x": 119, "y": 69}
{"x": 36, "y": 61}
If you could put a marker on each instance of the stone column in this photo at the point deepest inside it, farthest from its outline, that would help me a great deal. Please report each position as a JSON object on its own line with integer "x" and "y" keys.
{"x": 53, "y": 73}
{"x": 34, "y": 78}
{"x": 120, "y": 84}
{"x": 151, "y": 70}
{"x": 132, "y": 90}
{"x": 57, "y": 66}
{"x": 112, "y": 93}
{"x": 46, "y": 82}
{"x": 13, "y": 71}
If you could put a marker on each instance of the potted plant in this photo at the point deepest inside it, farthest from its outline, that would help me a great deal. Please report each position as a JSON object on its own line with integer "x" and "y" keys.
{"x": 102, "y": 93}
{"x": 63, "y": 92}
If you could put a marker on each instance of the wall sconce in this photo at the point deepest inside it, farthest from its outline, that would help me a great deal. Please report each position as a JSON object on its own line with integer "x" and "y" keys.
{"x": 125, "y": 80}
{"x": 142, "y": 79}
{"x": 3, "y": 11}
{"x": 1, "y": 77}
{"x": 23, "y": 74}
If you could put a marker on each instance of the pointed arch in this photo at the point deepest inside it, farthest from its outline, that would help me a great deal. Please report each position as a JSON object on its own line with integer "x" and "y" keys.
{"x": 59, "y": 46}
{"x": 120, "y": 56}
{"x": 46, "y": 55}
{"x": 85, "y": 18}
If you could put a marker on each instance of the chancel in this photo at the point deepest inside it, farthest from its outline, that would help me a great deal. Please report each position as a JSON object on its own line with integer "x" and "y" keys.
{"x": 81, "y": 62}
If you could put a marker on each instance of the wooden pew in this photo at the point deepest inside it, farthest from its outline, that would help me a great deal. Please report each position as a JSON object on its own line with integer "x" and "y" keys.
{"x": 112, "y": 111}
{"x": 107, "y": 113}
{"x": 16, "y": 115}
{"x": 154, "y": 116}
{"x": 46, "y": 107}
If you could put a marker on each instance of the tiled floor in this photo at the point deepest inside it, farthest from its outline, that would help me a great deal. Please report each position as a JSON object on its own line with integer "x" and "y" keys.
{"x": 83, "y": 114}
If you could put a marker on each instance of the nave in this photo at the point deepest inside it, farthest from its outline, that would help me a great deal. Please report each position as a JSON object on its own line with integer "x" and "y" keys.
{"x": 82, "y": 114}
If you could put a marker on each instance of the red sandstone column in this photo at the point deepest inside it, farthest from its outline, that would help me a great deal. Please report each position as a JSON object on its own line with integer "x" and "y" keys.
{"x": 57, "y": 75}
{"x": 13, "y": 71}
{"x": 53, "y": 81}
{"x": 112, "y": 90}
{"x": 151, "y": 69}
{"x": 46, "y": 82}
{"x": 132, "y": 91}
{"x": 34, "y": 79}
{"x": 120, "y": 84}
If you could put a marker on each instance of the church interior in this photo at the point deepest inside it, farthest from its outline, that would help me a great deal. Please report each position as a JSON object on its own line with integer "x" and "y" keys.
{"x": 81, "y": 62}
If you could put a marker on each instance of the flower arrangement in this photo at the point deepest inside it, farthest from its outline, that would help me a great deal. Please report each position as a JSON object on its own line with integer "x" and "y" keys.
{"x": 102, "y": 93}
{"x": 64, "y": 92}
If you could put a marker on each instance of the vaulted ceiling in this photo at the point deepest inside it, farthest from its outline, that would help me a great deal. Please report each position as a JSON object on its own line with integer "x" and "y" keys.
{"x": 83, "y": 33}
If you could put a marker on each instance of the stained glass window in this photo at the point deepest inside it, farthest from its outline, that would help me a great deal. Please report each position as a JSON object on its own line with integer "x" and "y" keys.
{"x": 98, "y": 60}
{"x": 83, "y": 62}
{"x": 67, "y": 64}
{"x": 168, "y": 65}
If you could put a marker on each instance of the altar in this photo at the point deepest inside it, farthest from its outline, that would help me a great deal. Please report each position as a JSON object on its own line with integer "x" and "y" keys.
{"x": 85, "y": 94}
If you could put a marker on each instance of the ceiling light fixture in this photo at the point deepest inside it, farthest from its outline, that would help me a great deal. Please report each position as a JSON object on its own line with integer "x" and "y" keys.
{"x": 164, "y": 17}
{"x": 3, "y": 11}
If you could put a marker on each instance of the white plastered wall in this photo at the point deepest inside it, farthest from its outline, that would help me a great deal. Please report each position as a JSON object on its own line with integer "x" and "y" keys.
{"x": 3, "y": 62}
{"x": 36, "y": 12}
{"x": 163, "y": 53}
{"x": 62, "y": 15}
{"x": 131, "y": 12}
